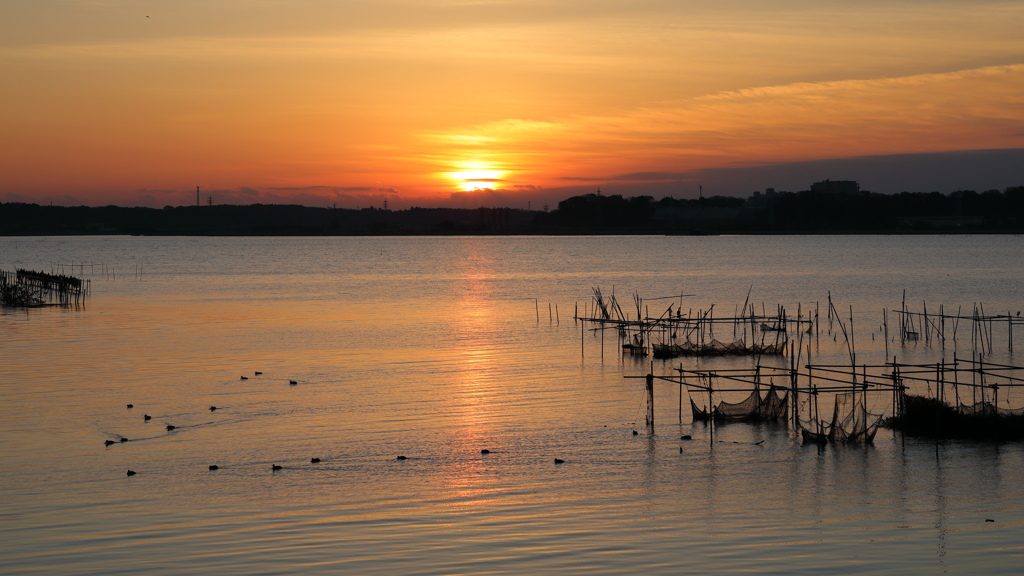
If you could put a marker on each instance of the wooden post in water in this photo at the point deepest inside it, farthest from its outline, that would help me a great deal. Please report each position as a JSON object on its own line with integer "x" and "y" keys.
{"x": 711, "y": 412}
{"x": 885, "y": 332}
{"x": 927, "y": 327}
{"x": 680, "y": 393}
{"x": 792, "y": 381}
{"x": 583, "y": 330}
{"x": 650, "y": 398}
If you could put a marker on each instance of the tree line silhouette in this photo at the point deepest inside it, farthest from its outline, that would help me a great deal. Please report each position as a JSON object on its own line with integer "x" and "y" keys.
{"x": 795, "y": 212}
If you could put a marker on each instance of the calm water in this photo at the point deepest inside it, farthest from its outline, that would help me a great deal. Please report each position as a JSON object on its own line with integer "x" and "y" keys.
{"x": 436, "y": 348}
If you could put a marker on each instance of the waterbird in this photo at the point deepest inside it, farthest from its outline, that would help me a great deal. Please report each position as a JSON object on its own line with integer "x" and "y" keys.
{"x": 108, "y": 442}
{"x": 275, "y": 467}
{"x": 131, "y": 472}
{"x": 635, "y": 432}
{"x": 212, "y": 408}
{"x": 214, "y": 467}
{"x": 485, "y": 451}
{"x": 123, "y": 439}
{"x": 258, "y": 373}
{"x": 131, "y": 405}
{"x": 559, "y": 461}
{"x": 686, "y": 437}
{"x": 314, "y": 460}
{"x": 170, "y": 427}
{"x": 401, "y": 458}
{"x": 989, "y": 520}
{"x": 245, "y": 377}
{"x": 146, "y": 418}
{"x": 680, "y": 449}
{"x": 292, "y": 382}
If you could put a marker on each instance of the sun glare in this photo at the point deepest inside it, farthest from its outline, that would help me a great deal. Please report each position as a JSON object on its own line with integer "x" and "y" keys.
{"x": 476, "y": 177}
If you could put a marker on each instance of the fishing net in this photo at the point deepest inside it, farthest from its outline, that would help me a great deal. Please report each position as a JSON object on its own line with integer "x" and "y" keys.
{"x": 717, "y": 348}
{"x": 753, "y": 408}
{"x": 987, "y": 409}
{"x": 851, "y": 422}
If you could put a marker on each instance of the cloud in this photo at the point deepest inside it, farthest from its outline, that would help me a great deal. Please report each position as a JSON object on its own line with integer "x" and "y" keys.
{"x": 979, "y": 108}
{"x": 334, "y": 189}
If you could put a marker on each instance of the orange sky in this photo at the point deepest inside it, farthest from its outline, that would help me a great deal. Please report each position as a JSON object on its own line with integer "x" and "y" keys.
{"x": 322, "y": 102}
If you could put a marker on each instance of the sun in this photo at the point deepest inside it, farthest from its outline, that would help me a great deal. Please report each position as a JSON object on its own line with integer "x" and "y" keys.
{"x": 476, "y": 177}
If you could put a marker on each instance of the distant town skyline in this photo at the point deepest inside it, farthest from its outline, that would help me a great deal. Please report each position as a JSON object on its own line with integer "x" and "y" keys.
{"x": 461, "y": 104}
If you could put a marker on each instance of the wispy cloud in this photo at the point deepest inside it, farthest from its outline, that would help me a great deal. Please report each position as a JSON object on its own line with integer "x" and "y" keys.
{"x": 979, "y": 108}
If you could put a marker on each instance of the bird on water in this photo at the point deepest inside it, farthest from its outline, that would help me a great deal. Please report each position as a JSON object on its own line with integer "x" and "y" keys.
{"x": 485, "y": 451}
{"x": 146, "y": 417}
{"x": 108, "y": 442}
{"x": 275, "y": 467}
{"x": 401, "y": 458}
{"x": 292, "y": 382}
{"x": 245, "y": 377}
{"x": 170, "y": 427}
{"x": 314, "y": 460}
{"x": 258, "y": 373}
{"x": 131, "y": 405}
{"x": 131, "y": 472}
{"x": 212, "y": 408}
{"x": 214, "y": 467}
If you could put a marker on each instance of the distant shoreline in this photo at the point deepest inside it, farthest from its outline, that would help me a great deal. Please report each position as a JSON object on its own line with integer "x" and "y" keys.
{"x": 809, "y": 212}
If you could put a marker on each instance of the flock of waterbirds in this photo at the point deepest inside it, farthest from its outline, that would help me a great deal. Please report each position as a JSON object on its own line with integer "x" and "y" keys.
{"x": 171, "y": 427}
{"x": 273, "y": 467}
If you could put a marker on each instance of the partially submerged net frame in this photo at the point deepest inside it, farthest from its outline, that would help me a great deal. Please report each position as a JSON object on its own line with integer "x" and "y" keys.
{"x": 27, "y": 288}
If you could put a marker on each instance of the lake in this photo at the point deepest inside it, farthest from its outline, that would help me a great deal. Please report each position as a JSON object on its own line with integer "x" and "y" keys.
{"x": 436, "y": 348}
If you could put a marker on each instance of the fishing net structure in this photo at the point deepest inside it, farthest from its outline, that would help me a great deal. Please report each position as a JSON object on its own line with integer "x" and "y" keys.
{"x": 717, "y": 348}
{"x": 29, "y": 288}
{"x": 851, "y": 422}
{"x": 754, "y": 408}
{"x": 988, "y": 409}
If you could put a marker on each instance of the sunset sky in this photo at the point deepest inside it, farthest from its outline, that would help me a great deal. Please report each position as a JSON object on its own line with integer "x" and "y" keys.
{"x": 480, "y": 102}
